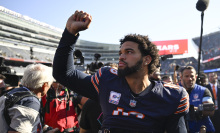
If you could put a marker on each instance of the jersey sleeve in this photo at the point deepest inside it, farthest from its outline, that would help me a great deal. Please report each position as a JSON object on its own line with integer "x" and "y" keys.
{"x": 64, "y": 69}
{"x": 95, "y": 79}
{"x": 183, "y": 99}
{"x": 176, "y": 122}
{"x": 183, "y": 107}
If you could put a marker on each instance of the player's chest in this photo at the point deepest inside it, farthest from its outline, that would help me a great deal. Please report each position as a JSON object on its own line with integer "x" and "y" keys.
{"x": 118, "y": 99}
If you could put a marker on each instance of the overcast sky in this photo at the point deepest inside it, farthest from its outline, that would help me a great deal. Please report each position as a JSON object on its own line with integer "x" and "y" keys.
{"x": 159, "y": 19}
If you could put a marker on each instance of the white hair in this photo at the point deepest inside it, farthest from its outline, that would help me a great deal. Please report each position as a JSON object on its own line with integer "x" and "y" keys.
{"x": 35, "y": 75}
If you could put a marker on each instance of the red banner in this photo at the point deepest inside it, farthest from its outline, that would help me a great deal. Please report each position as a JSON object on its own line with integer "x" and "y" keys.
{"x": 172, "y": 47}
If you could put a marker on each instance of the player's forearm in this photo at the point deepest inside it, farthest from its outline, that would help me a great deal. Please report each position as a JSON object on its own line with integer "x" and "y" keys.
{"x": 63, "y": 59}
{"x": 63, "y": 67}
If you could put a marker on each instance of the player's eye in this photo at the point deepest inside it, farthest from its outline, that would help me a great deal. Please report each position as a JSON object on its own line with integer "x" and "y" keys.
{"x": 129, "y": 52}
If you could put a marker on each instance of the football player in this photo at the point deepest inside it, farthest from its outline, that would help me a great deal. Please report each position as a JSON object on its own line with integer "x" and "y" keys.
{"x": 129, "y": 100}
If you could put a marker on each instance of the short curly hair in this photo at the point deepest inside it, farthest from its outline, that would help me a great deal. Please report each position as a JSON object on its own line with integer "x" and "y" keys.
{"x": 146, "y": 47}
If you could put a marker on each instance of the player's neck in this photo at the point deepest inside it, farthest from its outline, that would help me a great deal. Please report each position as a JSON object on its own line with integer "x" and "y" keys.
{"x": 138, "y": 84}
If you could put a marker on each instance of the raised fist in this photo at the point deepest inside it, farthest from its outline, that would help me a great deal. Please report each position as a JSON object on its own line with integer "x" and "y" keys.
{"x": 79, "y": 21}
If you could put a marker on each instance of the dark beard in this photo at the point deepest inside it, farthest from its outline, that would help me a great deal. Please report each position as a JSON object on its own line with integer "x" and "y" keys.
{"x": 130, "y": 70}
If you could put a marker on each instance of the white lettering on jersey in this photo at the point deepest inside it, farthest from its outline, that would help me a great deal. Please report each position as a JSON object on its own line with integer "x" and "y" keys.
{"x": 137, "y": 114}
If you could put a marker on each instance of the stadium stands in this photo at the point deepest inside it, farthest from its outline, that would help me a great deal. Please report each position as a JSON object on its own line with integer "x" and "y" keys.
{"x": 24, "y": 40}
{"x": 210, "y": 45}
{"x": 27, "y": 40}
{"x": 167, "y": 66}
{"x": 210, "y": 50}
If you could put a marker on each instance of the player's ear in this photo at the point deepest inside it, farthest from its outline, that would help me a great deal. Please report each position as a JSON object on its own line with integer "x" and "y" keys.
{"x": 147, "y": 60}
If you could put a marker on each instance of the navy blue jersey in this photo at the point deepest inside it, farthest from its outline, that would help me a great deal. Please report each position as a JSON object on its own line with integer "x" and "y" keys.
{"x": 157, "y": 109}
{"x": 148, "y": 112}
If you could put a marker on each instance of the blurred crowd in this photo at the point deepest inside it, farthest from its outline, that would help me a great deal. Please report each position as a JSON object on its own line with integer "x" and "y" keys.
{"x": 131, "y": 96}
{"x": 63, "y": 110}
{"x": 210, "y": 45}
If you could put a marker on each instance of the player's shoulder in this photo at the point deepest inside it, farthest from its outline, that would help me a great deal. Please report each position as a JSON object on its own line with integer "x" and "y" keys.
{"x": 178, "y": 95}
{"x": 173, "y": 90}
{"x": 108, "y": 71}
{"x": 172, "y": 87}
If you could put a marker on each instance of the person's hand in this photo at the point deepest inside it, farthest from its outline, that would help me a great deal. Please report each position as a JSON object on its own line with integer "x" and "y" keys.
{"x": 79, "y": 21}
{"x": 55, "y": 130}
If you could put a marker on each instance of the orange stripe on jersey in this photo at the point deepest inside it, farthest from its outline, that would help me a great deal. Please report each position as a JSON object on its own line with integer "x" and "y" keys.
{"x": 96, "y": 79}
{"x": 177, "y": 112}
{"x": 100, "y": 72}
{"x": 181, "y": 105}
{"x": 184, "y": 98}
{"x": 94, "y": 84}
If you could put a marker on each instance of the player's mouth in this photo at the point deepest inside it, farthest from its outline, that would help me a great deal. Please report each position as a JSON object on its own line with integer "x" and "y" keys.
{"x": 122, "y": 64}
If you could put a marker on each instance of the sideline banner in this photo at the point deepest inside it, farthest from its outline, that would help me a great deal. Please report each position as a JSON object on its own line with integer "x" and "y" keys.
{"x": 211, "y": 59}
{"x": 172, "y": 47}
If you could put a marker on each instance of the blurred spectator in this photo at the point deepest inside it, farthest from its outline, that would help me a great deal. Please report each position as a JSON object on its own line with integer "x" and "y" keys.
{"x": 198, "y": 95}
{"x": 113, "y": 65}
{"x": 2, "y": 83}
{"x": 155, "y": 75}
{"x": 91, "y": 117}
{"x": 24, "y": 114}
{"x": 202, "y": 129}
{"x": 203, "y": 79}
{"x": 60, "y": 108}
{"x": 167, "y": 79}
{"x": 10, "y": 86}
{"x": 214, "y": 88}
{"x": 177, "y": 74}
{"x": 169, "y": 65}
